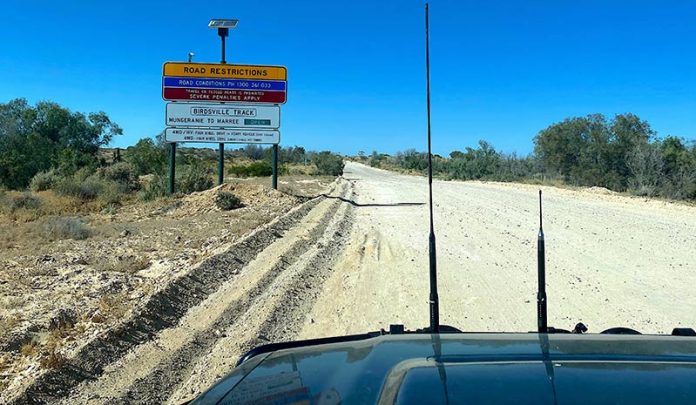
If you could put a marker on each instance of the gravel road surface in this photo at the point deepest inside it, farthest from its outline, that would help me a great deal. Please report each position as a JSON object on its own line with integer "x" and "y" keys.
{"x": 612, "y": 260}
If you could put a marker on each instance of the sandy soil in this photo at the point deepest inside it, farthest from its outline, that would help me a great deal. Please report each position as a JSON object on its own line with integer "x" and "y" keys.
{"x": 57, "y": 295}
{"x": 612, "y": 260}
{"x": 264, "y": 300}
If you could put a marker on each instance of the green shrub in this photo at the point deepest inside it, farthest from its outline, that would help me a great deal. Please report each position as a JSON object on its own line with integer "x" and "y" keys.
{"x": 43, "y": 181}
{"x": 122, "y": 173}
{"x": 328, "y": 163}
{"x": 227, "y": 201}
{"x": 87, "y": 189}
{"x": 156, "y": 188}
{"x": 56, "y": 228}
{"x": 147, "y": 157}
{"x": 83, "y": 173}
{"x": 111, "y": 194}
{"x": 193, "y": 178}
{"x": 259, "y": 168}
{"x": 26, "y": 201}
{"x": 239, "y": 171}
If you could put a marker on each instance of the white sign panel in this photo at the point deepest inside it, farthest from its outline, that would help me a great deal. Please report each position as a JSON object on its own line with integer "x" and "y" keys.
{"x": 222, "y": 115}
{"x": 221, "y": 135}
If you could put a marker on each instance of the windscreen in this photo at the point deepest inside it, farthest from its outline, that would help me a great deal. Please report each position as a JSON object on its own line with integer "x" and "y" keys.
{"x": 184, "y": 181}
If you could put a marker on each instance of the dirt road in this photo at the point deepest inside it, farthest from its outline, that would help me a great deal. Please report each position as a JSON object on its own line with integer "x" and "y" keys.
{"x": 356, "y": 260}
{"x": 612, "y": 260}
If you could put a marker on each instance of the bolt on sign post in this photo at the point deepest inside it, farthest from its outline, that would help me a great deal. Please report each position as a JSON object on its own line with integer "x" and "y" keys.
{"x": 223, "y": 103}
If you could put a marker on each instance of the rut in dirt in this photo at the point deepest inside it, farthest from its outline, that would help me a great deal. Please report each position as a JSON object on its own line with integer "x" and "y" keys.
{"x": 295, "y": 262}
{"x": 298, "y": 298}
{"x": 163, "y": 310}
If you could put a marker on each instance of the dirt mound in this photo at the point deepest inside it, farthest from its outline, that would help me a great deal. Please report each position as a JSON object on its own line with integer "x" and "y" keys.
{"x": 252, "y": 195}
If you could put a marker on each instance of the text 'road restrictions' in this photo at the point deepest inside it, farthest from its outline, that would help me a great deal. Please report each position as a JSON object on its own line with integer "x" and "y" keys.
{"x": 225, "y": 71}
{"x": 222, "y": 115}
{"x": 252, "y": 84}
{"x": 222, "y": 135}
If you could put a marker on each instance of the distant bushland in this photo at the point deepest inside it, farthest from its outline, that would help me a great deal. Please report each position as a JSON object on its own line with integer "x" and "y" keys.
{"x": 622, "y": 154}
{"x": 47, "y": 136}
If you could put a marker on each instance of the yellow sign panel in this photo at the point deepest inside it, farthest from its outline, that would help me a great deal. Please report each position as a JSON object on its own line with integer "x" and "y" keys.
{"x": 225, "y": 71}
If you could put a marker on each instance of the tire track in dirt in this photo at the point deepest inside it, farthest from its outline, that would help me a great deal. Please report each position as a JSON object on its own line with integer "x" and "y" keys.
{"x": 284, "y": 307}
{"x": 152, "y": 371}
{"x": 163, "y": 310}
{"x": 160, "y": 384}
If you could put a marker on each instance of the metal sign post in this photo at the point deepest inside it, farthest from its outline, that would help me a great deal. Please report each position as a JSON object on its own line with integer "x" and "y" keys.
{"x": 274, "y": 178}
{"x": 172, "y": 167}
{"x": 221, "y": 163}
{"x": 222, "y": 32}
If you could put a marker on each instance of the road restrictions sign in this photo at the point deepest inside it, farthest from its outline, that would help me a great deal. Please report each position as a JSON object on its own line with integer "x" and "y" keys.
{"x": 222, "y": 115}
{"x": 222, "y": 135}
{"x": 224, "y": 83}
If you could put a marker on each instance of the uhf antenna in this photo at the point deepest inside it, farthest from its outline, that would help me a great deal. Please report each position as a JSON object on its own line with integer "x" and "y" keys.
{"x": 542, "y": 321}
{"x": 434, "y": 300}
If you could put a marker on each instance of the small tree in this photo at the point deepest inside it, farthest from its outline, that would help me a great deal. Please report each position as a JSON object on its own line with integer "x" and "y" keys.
{"x": 193, "y": 177}
{"x": 147, "y": 157}
{"x": 45, "y": 136}
{"x": 328, "y": 163}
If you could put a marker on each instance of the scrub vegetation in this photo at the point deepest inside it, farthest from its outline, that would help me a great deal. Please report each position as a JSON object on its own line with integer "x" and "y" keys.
{"x": 621, "y": 154}
{"x": 226, "y": 201}
{"x": 48, "y": 148}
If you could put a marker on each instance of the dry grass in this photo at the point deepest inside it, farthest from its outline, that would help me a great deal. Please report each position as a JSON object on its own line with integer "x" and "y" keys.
{"x": 29, "y": 349}
{"x": 15, "y": 234}
{"x": 98, "y": 318}
{"x": 296, "y": 169}
{"x": 123, "y": 264}
{"x": 10, "y": 322}
{"x": 52, "y": 359}
{"x": 111, "y": 307}
{"x": 9, "y": 303}
{"x": 5, "y": 363}
{"x": 57, "y": 228}
{"x": 4, "y": 328}
{"x": 80, "y": 328}
{"x": 56, "y": 338}
{"x": 57, "y": 335}
{"x": 17, "y": 206}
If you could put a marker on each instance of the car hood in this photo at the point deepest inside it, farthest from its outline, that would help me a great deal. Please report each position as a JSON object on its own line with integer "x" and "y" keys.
{"x": 465, "y": 368}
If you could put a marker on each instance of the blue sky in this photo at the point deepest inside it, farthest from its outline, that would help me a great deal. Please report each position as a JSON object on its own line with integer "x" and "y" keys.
{"x": 500, "y": 70}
